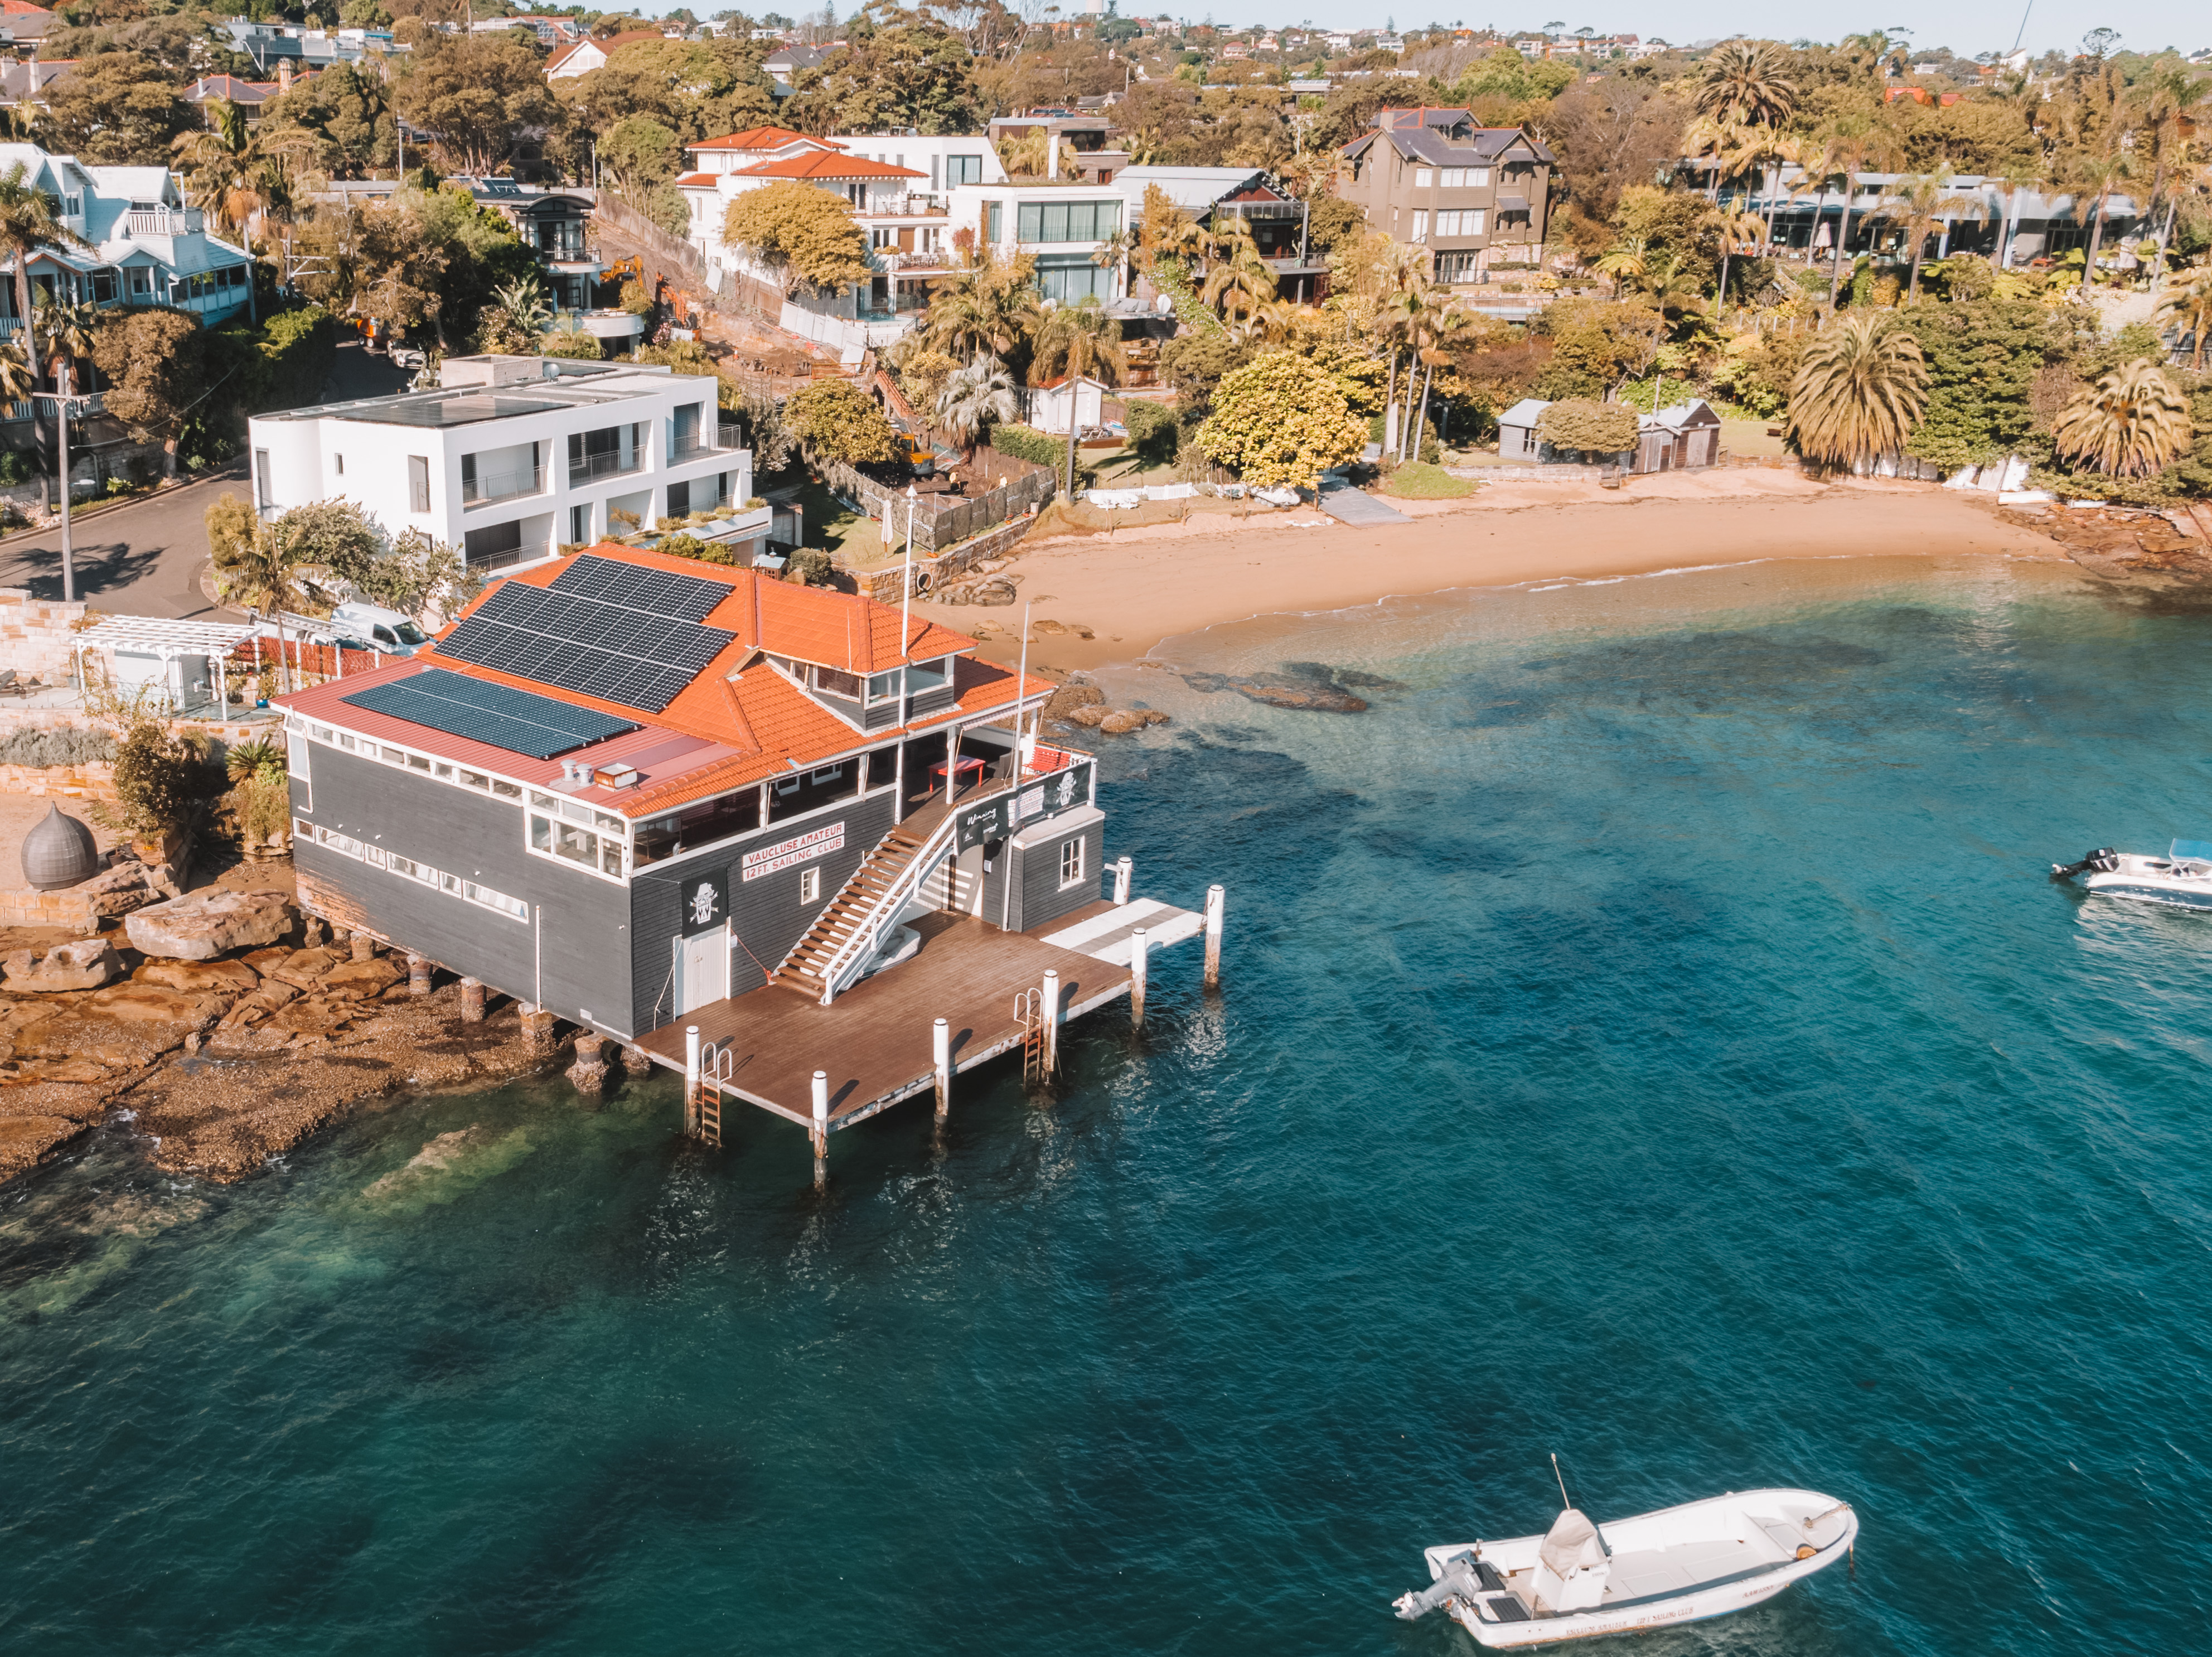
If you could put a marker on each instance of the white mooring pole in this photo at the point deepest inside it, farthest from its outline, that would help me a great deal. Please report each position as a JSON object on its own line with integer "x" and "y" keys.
{"x": 691, "y": 1077}
{"x": 1213, "y": 895}
{"x": 1138, "y": 946}
{"x": 1051, "y": 1023}
{"x": 1122, "y": 872}
{"x": 821, "y": 1135}
{"x": 940, "y": 1058}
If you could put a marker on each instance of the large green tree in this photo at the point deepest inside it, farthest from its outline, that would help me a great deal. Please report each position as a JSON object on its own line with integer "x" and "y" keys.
{"x": 837, "y": 421}
{"x": 117, "y": 109}
{"x": 1983, "y": 358}
{"x": 802, "y": 233}
{"x": 899, "y": 68}
{"x": 155, "y": 364}
{"x": 1281, "y": 419}
{"x": 696, "y": 89}
{"x": 346, "y": 114}
{"x": 480, "y": 94}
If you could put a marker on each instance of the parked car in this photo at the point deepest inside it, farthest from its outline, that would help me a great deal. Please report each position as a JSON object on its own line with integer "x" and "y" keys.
{"x": 409, "y": 356}
{"x": 373, "y": 627}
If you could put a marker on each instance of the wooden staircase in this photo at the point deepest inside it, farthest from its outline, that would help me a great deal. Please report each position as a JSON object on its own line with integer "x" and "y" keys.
{"x": 853, "y": 907}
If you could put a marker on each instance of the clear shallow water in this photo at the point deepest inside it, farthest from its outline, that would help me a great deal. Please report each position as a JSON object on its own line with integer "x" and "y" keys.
{"x": 1649, "y": 1036}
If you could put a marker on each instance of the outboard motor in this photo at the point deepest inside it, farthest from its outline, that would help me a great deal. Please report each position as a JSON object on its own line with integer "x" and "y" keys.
{"x": 2103, "y": 861}
{"x": 1461, "y": 1581}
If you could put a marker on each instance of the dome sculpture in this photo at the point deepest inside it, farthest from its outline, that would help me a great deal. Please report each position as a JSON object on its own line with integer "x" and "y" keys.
{"x": 59, "y": 852}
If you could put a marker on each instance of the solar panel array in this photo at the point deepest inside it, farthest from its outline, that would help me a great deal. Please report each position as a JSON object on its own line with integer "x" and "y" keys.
{"x": 518, "y": 721}
{"x": 658, "y": 592}
{"x": 600, "y": 633}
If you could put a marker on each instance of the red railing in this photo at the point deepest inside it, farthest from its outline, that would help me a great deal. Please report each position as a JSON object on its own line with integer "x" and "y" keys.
{"x": 319, "y": 660}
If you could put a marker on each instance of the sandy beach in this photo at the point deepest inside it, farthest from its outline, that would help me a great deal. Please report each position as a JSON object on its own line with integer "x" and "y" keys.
{"x": 1133, "y": 589}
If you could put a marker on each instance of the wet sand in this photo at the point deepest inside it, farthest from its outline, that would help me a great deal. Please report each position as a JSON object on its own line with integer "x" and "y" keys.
{"x": 1135, "y": 588}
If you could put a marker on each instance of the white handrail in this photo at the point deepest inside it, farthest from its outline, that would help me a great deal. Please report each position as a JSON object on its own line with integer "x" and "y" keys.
{"x": 869, "y": 929}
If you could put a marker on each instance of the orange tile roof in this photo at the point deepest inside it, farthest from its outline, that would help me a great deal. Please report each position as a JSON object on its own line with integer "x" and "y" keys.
{"x": 828, "y": 164}
{"x": 762, "y": 138}
{"x": 695, "y": 180}
{"x": 761, "y": 720}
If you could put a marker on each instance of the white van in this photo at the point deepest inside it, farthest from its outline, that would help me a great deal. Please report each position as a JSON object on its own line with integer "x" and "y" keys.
{"x": 376, "y": 628}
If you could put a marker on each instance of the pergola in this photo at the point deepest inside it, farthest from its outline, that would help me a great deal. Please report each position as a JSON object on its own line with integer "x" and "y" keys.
{"x": 168, "y": 640}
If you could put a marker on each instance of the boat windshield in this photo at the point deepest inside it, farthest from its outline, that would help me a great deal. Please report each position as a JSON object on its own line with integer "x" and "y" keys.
{"x": 2198, "y": 851}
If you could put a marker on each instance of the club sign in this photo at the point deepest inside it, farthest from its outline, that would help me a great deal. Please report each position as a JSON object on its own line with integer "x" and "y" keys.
{"x": 787, "y": 854}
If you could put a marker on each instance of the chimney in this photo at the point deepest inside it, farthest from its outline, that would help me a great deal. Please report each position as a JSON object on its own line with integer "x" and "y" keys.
{"x": 284, "y": 75}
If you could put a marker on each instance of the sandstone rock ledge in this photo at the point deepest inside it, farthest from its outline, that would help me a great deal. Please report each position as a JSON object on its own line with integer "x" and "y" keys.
{"x": 227, "y": 1063}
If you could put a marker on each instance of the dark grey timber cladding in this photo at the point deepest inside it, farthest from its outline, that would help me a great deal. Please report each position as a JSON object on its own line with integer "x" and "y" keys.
{"x": 478, "y": 837}
{"x": 1035, "y": 870}
{"x": 766, "y": 916}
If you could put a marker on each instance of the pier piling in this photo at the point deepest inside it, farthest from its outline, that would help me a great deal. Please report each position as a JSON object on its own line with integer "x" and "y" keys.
{"x": 418, "y": 974}
{"x": 589, "y": 1073}
{"x": 690, "y": 1078}
{"x": 537, "y": 1027}
{"x": 1051, "y": 1016}
{"x": 1137, "y": 966}
{"x": 940, "y": 1057}
{"x": 472, "y": 999}
{"x": 1122, "y": 872}
{"x": 1213, "y": 903}
{"x": 364, "y": 946}
{"x": 821, "y": 1131}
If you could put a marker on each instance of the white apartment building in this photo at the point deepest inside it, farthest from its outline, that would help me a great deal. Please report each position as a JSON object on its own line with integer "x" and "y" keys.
{"x": 513, "y": 458}
{"x": 1063, "y": 225}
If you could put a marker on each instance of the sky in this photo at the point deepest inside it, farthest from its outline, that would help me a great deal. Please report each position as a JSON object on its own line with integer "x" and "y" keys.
{"x": 1967, "y": 26}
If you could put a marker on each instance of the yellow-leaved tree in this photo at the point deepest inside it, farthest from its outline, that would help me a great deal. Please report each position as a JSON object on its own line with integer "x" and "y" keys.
{"x": 1281, "y": 418}
{"x": 806, "y": 236}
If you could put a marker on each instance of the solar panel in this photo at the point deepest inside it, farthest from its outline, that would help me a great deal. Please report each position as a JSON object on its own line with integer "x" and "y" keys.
{"x": 658, "y": 592}
{"x": 639, "y": 658}
{"x": 518, "y": 721}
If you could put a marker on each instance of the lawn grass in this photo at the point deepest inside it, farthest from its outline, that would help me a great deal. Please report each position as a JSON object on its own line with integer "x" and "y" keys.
{"x": 849, "y": 536}
{"x": 1417, "y": 480}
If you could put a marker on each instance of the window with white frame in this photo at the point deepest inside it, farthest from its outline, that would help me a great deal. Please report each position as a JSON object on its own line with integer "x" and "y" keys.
{"x": 1071, "y": 861}
{"x": 1424, "y": 176}
{"x": 573, "y": 832}
{"x": 1420, "y": 226}
{"x": 809, "y": 886}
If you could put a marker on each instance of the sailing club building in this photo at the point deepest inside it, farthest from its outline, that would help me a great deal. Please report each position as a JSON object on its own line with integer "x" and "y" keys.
{"x": 650, "y": 795}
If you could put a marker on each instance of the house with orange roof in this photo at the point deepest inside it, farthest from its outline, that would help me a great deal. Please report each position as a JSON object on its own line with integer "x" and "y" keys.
{"x": 644, "y": 793}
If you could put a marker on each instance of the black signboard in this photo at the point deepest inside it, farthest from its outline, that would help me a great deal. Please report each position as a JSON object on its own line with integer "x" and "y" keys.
{"x": 706, "y": 897}
{"x": 1039, "y": 796}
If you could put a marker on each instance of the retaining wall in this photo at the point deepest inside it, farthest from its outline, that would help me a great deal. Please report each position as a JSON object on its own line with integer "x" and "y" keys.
{"x": 930, "y": 573}
{"x": 92, "y": 781}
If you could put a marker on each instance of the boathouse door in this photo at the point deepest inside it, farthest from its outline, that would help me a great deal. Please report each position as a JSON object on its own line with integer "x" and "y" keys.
{"x": 702, "y": 969}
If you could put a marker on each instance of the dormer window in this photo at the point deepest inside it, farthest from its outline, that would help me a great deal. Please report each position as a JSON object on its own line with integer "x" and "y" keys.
{"x": 831, "y": 681}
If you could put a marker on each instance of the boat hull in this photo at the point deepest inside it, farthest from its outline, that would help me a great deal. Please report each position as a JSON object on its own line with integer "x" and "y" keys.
{"x": 2171, "y": 882}
{"x": 1682, "y": 1564}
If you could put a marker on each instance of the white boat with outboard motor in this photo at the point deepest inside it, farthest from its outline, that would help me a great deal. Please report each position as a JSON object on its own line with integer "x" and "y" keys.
{"x": 1579, "y": 1580}
{"x": 2181, "y": 880}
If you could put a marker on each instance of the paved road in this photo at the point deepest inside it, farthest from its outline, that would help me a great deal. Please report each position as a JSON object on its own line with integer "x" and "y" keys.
{"x": 145, "y": 559}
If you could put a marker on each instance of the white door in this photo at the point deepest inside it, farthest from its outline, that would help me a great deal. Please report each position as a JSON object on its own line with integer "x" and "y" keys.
{"x": 702, "y": 969}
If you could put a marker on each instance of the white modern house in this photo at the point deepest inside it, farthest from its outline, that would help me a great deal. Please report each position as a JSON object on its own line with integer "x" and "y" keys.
{"x": 1063, "y": 225}
{"x": 513, "y": 458}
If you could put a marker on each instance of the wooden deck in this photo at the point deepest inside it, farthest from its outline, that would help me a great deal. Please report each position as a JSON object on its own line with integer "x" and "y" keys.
{"x": 874, "y": 1040}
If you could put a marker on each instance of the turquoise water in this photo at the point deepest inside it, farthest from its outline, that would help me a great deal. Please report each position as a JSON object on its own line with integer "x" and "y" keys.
{"x": 1648, "y": 1035}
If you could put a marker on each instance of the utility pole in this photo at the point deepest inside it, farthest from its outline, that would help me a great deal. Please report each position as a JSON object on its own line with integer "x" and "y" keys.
{"x": 66, "y": 408}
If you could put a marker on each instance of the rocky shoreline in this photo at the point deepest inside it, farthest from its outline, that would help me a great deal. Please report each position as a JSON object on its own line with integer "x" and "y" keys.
{"x": 225, "y": 1063}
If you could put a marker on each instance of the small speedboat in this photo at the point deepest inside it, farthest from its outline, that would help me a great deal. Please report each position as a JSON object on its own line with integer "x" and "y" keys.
{"x": 2182, "y": 878}
{"x": 1578, "y": 1581}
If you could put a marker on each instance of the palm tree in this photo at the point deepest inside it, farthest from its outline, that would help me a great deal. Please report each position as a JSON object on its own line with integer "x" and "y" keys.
{"x": 2128, "y": 425}
{"x": 1922, "y": 204}
{"x": 987, "y": 308}
{"x": 1624, "y": 263}
{"x": 1239, "y": 281}
{"x": 523, "y": 304}
{"x": 1416, "y": 318}
{"x": 974, "y": 398}
{"x": 264, "y": 574}
{"x": 2173, "y": 102}
{"x": 1725, "y": 140}
{"x": 2097, "y": 175}
{"x": 1740, "y": 234}
{"x": 66, "y": 331}
{"x": 2188, "y": 307}
{"x": 1747, "y": 81}
{"x": 1449, "y": 329}
{"x": 226, "y": 166}
{"x": 1077, "y": 340}
{"x": 1860, "y": 389}
{"x": 1848, "y": 149}
{"x": 29, "y": 219}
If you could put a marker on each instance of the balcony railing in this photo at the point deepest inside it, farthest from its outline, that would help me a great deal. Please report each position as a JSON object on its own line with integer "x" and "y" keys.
{"x": 493, "y": 486}
{"x": 688, "y": 446}
{"x": 609, "y": 464}
{"x": 729, "y": 434}
{"x": 164, "y": 222}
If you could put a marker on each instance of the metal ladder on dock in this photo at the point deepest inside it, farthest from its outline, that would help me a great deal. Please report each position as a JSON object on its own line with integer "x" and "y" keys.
{"x": 707, "y": 1115}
